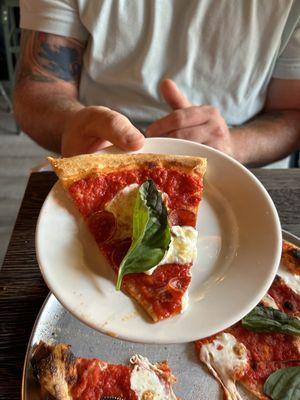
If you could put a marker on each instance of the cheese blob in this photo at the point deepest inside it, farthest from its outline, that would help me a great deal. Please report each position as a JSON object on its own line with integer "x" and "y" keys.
{"x": 268, "y": 301}
{"x": 182, "y": 249}
{"x": 183, "y": 245}
{"x": 291, "y": 280}
{"x": 122, "y": 206}
{"x": 144, "y": 381}
{"x": 227, "y": 359}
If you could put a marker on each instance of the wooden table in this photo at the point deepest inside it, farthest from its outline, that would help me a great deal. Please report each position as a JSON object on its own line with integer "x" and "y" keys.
{"x": 22, "y": 289}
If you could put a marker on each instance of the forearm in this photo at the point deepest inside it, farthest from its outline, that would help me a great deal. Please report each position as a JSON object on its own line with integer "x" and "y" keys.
{"x": 42, "y": 111}
{"x": 46, "y": 89}
{"x": 269, "y": 137}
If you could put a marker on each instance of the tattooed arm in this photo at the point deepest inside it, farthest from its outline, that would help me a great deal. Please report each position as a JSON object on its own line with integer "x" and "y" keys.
{"x": 46, "y": 101}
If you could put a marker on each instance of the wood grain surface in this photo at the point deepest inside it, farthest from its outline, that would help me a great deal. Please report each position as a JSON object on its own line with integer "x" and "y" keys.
{"x": 22, "y": 289}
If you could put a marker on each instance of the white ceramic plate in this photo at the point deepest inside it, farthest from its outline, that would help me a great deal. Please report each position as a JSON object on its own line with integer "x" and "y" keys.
{"x": 239, "y": 249}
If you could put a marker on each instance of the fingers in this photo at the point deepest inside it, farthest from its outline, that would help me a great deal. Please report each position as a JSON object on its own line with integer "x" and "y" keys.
{"x": 200, "y": 133}
{"x": 94, "y": 128}
{"x": 118, "y": 130}
{"x": 172, "y": 95}
{"x": 179, "y": 119}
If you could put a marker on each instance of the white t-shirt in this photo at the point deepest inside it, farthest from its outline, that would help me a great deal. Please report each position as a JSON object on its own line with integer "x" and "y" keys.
{"x": 219, "y": 52}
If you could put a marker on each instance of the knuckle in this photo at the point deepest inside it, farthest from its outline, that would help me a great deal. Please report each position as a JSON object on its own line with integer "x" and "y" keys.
{"x": 218, "y": 131}
{"x": 214, "y": 112}
{"x": 178, "y": 119}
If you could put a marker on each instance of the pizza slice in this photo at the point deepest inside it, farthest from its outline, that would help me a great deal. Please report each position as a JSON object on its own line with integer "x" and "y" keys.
{"x": 66, "y": 377}
{"x": 290, "y": 270}
{"x": 265, "y": 342}
{"x": 141, "y": 210}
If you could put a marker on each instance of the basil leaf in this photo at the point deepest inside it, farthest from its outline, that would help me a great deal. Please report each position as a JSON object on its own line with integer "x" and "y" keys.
{"x": 284, "y": 384}
{"x": 267, "y": 319}
{"x": 151, "y": 234}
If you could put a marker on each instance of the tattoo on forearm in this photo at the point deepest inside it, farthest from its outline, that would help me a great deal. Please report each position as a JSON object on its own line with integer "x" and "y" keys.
{"x": 62, "y": 62}
{"x": 49, "y": 58}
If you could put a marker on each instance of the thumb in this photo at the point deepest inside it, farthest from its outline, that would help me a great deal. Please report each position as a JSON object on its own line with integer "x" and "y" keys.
{"x": 172, "y": 95}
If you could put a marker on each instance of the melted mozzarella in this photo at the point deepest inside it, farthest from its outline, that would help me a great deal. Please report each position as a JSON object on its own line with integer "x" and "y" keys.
{"x": 293, "y": 281}
{"x": 183, "y": 246}
{"x": 226, "y": 358}
{"x": 268, "y": 301}
{"x": 145, "y": 382}
{"x": 182, "y": 249}
{"x": 122, "y": 206}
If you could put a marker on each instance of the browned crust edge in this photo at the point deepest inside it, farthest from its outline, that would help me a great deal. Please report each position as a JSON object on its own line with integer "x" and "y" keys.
{"x": 55, "y": 367}
{"x": 70, "y": 170}
{"x": 134, "y": 292}
{"x": 256, "y": 390}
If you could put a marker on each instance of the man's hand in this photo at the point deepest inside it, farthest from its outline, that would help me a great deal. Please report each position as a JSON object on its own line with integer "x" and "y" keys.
{"x": 202, "y": 124}
{"x": 93, "y": 128}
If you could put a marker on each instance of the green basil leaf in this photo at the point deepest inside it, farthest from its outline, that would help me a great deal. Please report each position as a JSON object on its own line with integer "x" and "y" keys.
{"x": 284, "y": 384}
{"x": 267, "y": 319}
{"x": 151, "y": 234}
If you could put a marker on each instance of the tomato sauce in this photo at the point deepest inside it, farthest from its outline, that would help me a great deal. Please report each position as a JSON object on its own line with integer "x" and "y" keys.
{"x": 91, "y": 194}
{"x": 286, "y": 299}
{"x": 97, "y": 379}
{"x": 266, "y": 346}
{"x": 163, "y": 289}
{"x": 259, "y": 372}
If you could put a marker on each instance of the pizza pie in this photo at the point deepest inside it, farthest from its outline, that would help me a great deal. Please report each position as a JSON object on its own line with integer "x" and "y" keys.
{"x": 66, "y": 377}
{"x": 265, "y": 341}
{"x": 141, "y": 210}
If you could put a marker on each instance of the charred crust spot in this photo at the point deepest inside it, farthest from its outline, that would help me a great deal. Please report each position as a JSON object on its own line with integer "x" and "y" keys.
{"x": 277, "y": 278}
{"x": 152, "y": 164}
{"x": 295, "y": 253}
{"x": 111, "y": 398}
{"x": 288, "y": 305}
{"x": 254, "y": 365}
{"x": 71, "y": 380}
{"x": 40, "y": 352}
{"x": 48, "y": 360}
{"x": 69, "y": 357}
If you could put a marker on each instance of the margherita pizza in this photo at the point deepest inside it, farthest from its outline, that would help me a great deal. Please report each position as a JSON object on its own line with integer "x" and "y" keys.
{"x": 265, "y": 341}
{"x": 141, "y": 210}
{"x": 66, "y": 377}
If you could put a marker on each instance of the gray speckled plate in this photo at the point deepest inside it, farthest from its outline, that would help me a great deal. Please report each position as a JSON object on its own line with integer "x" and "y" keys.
{"x": 54, "y": 322}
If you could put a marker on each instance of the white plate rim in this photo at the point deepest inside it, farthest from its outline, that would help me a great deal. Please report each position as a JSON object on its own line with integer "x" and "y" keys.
{"x": 229, "y": 322}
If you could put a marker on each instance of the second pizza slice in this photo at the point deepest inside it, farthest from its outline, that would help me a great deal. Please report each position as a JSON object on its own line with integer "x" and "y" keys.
{"x": 141, "y": 210}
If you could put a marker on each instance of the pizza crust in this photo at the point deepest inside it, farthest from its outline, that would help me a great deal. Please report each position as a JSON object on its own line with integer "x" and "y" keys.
{"x": 54, "y": 365}
{"x": 290, "y": 258}
{"x": 134, "y": 292}
{"x": 59, "y": 371}
{"x": 70, "y": 170}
